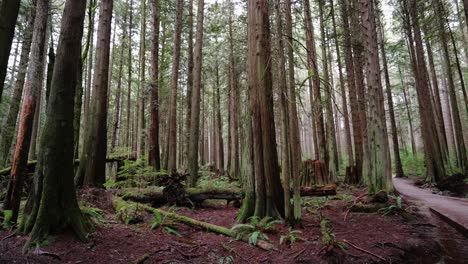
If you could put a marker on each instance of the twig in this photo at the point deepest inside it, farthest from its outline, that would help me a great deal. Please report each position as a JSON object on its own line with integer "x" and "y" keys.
{"x": 300, "y": 252}
{"x": 363, "y": 250}
{"x": 230, "y": 249}
{"x": 189, "y": 256}
{"x": 9, "y": 236}
{"x": 354, "y": 203}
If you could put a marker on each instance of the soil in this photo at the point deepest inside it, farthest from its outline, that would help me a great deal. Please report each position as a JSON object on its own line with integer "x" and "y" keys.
{"x": 387, "y": 239}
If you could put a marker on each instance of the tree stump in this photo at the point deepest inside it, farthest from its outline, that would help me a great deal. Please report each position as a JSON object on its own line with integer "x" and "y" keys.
{"x": 314, "y": 172}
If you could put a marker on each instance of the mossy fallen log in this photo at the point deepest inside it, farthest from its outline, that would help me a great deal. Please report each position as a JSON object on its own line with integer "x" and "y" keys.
{"x": 221, "y": 230}
{"x": 156, "y": 197}
{"x": 31, "y": 165}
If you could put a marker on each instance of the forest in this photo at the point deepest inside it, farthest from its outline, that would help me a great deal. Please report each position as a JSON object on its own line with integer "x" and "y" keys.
{"x": 233, "y": 131}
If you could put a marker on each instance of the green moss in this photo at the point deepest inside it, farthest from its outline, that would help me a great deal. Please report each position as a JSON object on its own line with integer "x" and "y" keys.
{"x": 93, "y": 216}
{"x": 7, "y": 215}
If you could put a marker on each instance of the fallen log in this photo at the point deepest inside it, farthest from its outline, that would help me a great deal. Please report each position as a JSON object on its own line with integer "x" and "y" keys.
{"x": 221, "y": 230}
{"x": 156, "y": 197}
{"x": 31, "y": 165}
{"x": 198, "y": 195}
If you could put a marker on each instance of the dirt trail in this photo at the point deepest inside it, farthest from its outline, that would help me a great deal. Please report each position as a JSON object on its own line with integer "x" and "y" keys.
{"x": 455, "y": 209}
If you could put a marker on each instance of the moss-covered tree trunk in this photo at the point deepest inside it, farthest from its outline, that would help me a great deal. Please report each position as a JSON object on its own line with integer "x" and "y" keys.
{"x": 92, "y": 169}
{"x": 33, "y": 86}
{"x": 53, "y": 198}
{"x": 8, "y": 15}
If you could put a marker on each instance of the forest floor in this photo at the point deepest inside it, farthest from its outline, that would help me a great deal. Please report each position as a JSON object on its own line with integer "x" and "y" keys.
{"x": 360, "y": 238}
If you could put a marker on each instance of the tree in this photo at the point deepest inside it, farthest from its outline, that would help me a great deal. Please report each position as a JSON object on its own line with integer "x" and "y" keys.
{"x": 141, "y": 85}
{"x": 9, "y": 126}
{"x": 8, "y": 16}
{"x": 195, "y": 104}
{"x": 396, "y": 148}
{"x": 33, "y": 86}
{"x": 92, "y": 169}
{"x": 53, "y": 203}
{"x": 268, "y": 192}
{"x": 154, "y": 158}
{"x": 377, "y": 152}
{"x": 234, "y": 104}
{"x": 172, "y": 121}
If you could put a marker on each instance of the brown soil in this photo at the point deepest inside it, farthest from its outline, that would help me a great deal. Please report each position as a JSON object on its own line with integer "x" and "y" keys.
{"x": 389, "y": 237}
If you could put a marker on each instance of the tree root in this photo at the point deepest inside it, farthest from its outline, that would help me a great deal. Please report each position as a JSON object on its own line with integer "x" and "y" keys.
{"x": 363, "y": 250}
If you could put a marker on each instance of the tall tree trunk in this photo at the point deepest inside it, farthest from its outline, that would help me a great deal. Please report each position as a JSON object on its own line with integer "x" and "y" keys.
{"x": 378, "y": 155}
{"x": 462, "y": 161}
{"x": 406, "y": 98}
{"x": 195, "y": 104}
{"x": 8, "y": 14}
{"x": 234, "y": 105}
{"x": 128, "y": 134}
{"x": 90, "y": 62}
{"x": 344, "y": 100}
{"x": 283, "y": 94}
{"x": 190, "y": 81}
{"x": 396, "y": 146}
{"x": 53, "y": 198}
{"x": 33, "y": 86}
{"x": 316, "y": 100}
{"x": 141, "y": 85}
{"x": 268, "y": 191}
{"x": 154, "y": 158}
{"x": 92, "y": 169}
{"x": 294, "y": 136}
{"x": 9, "y": 126}
{"x": 330, "y": 123}
{"x": 219, "y": 125}
{"x": 172, "y": 121}
{"x": 352, "y": 91}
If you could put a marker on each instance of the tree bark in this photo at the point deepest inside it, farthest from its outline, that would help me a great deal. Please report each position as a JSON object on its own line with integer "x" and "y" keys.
{"x": 33, "y": 86}
{"x": 195, "y": 104}
{"x": 53, "y": 198}
{"x": 9, "y": 126}
{"x": 154, "y": 158}
{"x": 172, "y": 121}
{"x": 92, "y": 169}
{"x": 141, "y": 85}
{"x": 8, "y": 14}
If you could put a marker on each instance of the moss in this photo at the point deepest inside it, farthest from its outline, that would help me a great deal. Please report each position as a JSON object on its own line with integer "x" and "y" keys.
{"x": 7, "y": 216}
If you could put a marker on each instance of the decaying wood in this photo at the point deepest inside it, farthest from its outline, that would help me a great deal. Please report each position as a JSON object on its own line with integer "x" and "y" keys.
{"x": 314, "y": 172}
{"x": 198, "y": 195}
{"x": 199, "y": 224}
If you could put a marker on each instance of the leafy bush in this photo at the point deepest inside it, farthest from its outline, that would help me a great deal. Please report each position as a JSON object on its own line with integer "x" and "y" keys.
{"x": 94, "y": 216}
{"x": 291, "y": 237}
{"x": 136, "y": 173}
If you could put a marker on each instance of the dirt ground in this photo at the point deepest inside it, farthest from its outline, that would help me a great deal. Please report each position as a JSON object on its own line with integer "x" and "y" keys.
{"x": 370, "y": 238}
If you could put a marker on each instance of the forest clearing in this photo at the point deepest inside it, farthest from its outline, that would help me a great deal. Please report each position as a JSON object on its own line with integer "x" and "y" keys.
{"x": 233, "y": 131}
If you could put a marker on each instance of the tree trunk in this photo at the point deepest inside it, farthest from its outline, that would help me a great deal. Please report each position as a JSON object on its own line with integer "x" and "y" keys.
{"x": 316, "y": 100}
{"x": 408, "y": 111}
{"x": 378, "y": 155}
{"x": 462, "y": 161}
{"x": 396, "y": 146}
{"x": 128, "y": 133}
{"x": 234, "y": 105}
{"x": 92, "y": 169}
{"x": 195, "y": 104}
{"x": 8, "y": 14}
{"x": 90, "y": 62}
{"x": 344, "y": 100}
{"x": 154, "y": 158}
{"x": 172, "y": 121}
{"x": 141, "y": 85}
{"x": 190, "y": 81}
{"x": 219, "y": 125}
{"x": 268, "y": 191}
{"x": 53, "y": 198}
{"x": 33, "y": 86}
{"x": 9, "y": 126}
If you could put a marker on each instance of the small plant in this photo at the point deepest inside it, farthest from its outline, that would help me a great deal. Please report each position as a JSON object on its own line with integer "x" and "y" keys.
{"x": 316, "y": 204}
{"x": 394, "y": 208}
{"x": 93, "y": 215}
{"x": 328, "y": 237}
{"x": 226, "y": 260}
{"x": 160, "y": 221}
{"x": 291, "y": 237}
{"x": 6, "y": 215}
{"x": 255, "y": 229}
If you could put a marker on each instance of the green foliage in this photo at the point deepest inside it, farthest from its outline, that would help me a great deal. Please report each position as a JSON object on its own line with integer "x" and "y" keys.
{"x": 291, "y": 237}
{"x": 7, "y": 215}
{"x": 94, "y": 216}
{"x": 208, "y": 180}
{"x": 226, "y": 260}
{"x": 255, "y": 229}
{"x": 316, "y": 204}
{"x": 393, "y": 208}
{"x": 160, "y": 221}
{"x": 135, "y": 174}
{"x": 413, "y": 165}
{"x": 328, "y": 237}
{"x": 128, "y": 213}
